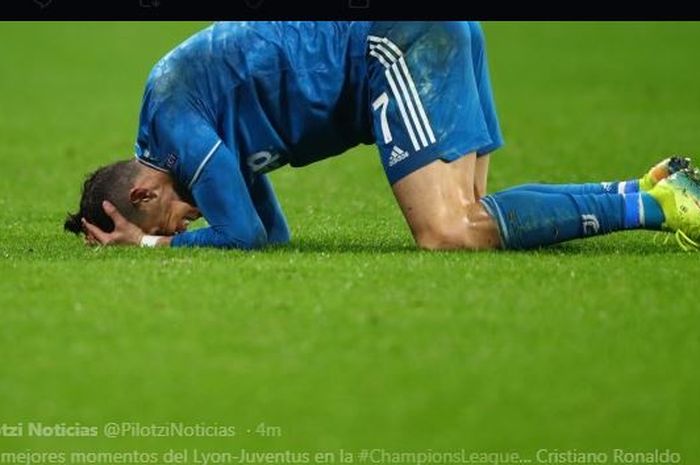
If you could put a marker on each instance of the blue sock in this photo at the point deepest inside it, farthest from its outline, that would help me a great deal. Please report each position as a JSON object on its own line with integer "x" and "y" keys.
{"x": 529, "y": 219}
{"x": 617, "y": 187}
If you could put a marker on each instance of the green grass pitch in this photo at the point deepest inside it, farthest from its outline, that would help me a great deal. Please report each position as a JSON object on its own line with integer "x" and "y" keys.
{"x": 349, "y": 337}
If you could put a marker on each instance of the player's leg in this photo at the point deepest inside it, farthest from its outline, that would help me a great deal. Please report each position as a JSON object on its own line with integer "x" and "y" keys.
{"x": 480, "y": 68}
{"x": 660, "y": 171}
{"x": 437, "y": 202}
{"x": 534, "y": 215}
{"x": 569, "y": 204}
{"x": 481, "y": 174}
{"x": 428, "y": 116}
{"x": 430, "y": 125}
{"x": 528, "y": 219}
{"x": 440, "y": 218}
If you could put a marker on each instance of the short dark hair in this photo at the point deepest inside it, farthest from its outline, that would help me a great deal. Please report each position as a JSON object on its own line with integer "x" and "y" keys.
{"x": 113, "y": 183}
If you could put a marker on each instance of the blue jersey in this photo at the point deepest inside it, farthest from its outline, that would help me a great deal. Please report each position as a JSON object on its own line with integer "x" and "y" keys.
{"x": 239, "y": 99}
{"x": 274, "y": 92}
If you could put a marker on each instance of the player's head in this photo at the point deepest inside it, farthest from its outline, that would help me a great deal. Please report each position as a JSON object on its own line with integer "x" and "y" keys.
{"x": 144, "y": 196}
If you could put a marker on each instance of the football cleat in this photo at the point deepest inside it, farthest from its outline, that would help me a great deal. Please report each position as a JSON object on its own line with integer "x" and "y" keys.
{"x": 679, "y": 198}
{"x": 664, "y": 169}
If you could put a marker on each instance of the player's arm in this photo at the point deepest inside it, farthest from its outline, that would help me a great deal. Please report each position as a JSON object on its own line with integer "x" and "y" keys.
{"x": 269, "y": 210}
{"x": 211, "y": 171}
{"x": 222, "y": 196}
{"x": 181, "y": 141}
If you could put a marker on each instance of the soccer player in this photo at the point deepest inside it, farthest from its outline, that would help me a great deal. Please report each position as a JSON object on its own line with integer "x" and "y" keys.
{"x": 237, "y": 100}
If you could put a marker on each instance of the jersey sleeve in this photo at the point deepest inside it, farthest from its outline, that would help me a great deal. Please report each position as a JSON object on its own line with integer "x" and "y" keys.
{"x": 269, "y": 210}
{"x": 221, "y": 194}
{"x": 177, "y": 140}
{"x": 185, "y": 145}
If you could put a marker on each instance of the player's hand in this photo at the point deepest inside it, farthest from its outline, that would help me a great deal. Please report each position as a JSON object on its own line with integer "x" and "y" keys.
{"x": 125, "y": 232}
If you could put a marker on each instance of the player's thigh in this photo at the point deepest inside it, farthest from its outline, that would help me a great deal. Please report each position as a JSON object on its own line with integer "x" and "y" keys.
{"x": 436, "y": 192}
{"x": 424, "y": 95}
{"x": 434, "y": 200}
{"x": 482, "y": 77}
{"x": 481, "y": 173}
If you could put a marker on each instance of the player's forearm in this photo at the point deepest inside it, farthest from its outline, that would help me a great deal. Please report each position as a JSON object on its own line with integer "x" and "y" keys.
{"x": 269, "y": 210}
{"x": 222, "y": 238}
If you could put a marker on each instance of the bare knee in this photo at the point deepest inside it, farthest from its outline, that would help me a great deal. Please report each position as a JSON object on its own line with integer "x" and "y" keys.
{"x": 439, "y": 206}
{"x": 469, "y": 229}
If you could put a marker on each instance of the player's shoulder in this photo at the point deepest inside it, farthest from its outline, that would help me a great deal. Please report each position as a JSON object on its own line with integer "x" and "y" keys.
{"x": 176, "y": 138}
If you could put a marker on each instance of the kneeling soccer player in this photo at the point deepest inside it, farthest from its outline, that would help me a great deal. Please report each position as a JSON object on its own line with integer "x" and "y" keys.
{"x": 237, "y": 100}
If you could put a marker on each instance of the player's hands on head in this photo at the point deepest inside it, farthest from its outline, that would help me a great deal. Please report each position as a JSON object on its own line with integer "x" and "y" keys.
{"x": 125, "y": 232}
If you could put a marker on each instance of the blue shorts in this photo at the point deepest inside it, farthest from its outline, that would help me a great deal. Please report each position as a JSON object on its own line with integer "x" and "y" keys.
{"x": 430, "y": 94}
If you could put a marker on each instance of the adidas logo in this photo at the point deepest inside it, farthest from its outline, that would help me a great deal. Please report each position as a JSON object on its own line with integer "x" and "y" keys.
{"x": 397, "y": 155}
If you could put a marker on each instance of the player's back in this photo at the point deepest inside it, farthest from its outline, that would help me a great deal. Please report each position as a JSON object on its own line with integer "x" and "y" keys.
{"x": 295, "y": 92}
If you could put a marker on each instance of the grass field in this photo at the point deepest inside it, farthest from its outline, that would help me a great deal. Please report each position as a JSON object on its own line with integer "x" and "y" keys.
{"x": 349, "y": 337}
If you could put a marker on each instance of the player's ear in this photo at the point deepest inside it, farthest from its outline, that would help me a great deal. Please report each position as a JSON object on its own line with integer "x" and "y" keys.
{"x": 139, "y": 195}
